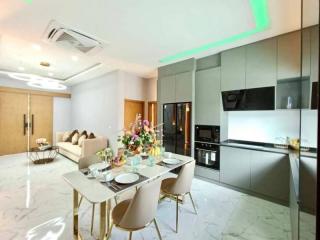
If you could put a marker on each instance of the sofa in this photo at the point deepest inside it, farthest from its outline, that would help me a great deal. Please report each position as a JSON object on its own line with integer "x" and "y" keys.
{"x": 75, "y": 152}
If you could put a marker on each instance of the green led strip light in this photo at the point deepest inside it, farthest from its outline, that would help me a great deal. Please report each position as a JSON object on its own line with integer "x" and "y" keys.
{"x": 262, "y": 22}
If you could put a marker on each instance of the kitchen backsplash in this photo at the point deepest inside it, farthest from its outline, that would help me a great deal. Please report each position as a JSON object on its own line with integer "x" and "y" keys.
{"x": 266, "y": 126}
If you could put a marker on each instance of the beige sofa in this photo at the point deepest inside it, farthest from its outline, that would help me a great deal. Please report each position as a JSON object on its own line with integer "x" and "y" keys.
{"x": 74, "y": 152}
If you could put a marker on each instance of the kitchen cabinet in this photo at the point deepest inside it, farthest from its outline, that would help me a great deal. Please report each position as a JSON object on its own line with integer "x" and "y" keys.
{"x": 207, "y": 173}
{"x": 233, "y": 63}
{"x": 261, "y": 64}
{"x": 289, "y": 55}
{"x": 235, "y": 167}
{"x": 183, "y": 87}
{"x": 207, "y": 97}
{"x": 314, "y": 35}
{"x": 270, "y": 174}
{"x": 167, "y": 89}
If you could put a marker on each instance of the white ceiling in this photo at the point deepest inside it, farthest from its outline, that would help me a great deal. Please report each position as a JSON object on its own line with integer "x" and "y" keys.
{"x": 139, "y": 32}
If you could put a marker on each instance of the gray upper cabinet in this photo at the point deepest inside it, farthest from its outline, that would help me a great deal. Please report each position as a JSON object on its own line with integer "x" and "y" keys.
{"x": 183, "y": 87}
{"x": 167, "y": 89}
{"x": 289, "y": 55}
{"x": 233, "y": 64}
{"x": 261, "y": 64}
{"x": 306, "y": 52}
{"x": 207, "y": 97}
{"x": 235, "y": 167}
{"x": 314, "y": 34}
{"x": 270, "y": 175}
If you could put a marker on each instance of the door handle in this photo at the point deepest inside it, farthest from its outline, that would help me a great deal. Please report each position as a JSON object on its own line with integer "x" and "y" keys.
{"x": 32, "y": 124}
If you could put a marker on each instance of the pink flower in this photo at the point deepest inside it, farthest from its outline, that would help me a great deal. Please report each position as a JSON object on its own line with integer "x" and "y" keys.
{"x": 146, "y": 123}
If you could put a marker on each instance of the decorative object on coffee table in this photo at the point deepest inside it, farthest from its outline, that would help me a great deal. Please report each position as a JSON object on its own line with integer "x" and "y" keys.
{"x": 41, "y": 156}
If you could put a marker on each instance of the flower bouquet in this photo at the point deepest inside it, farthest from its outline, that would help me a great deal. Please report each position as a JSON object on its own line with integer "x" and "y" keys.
{"x": 105, "y": 154}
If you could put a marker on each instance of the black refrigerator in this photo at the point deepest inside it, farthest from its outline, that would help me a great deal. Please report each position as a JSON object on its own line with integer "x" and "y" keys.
{"x": 177, "y": 128}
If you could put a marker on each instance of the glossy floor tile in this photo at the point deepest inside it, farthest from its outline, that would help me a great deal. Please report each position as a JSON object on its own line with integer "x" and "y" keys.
{"x": 36, "y": 204}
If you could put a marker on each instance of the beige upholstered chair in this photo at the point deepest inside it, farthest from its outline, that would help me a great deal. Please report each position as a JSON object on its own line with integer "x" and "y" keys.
{"x": 137, "y": 213}
{"x": 180, "y": 186}
{"x": 85, "y": 162}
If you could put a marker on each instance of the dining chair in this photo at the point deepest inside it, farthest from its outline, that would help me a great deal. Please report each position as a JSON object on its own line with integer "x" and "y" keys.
{"x": 140, "y": 211}
{"x": 180, "y": 186}
{"x": 85, "y": 162}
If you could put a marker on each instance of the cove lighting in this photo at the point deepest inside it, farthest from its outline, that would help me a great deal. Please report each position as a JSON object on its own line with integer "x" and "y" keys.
{"x": 47, "y": 85}
{"x": 262, "y": 22}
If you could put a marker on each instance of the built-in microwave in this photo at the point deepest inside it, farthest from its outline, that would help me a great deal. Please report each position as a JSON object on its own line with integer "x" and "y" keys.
{"x": 207, "y": 133}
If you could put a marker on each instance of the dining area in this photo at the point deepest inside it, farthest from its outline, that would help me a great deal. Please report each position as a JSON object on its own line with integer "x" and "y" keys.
{"x": 148, "y": 182}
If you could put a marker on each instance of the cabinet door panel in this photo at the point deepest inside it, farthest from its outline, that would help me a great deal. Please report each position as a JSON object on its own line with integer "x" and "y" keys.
{"x": 289, "y": 46}
{"x": 167, "y": 89}
{"x": 233, "y": 64}
{"x": 314, "y": 34}
{"x": 235, "y": 167}
{"x": 261, "y": 64}
{"x": 270, "y": 174}
{"x": 208, "y": 98}
{"x": 183, "y": 87}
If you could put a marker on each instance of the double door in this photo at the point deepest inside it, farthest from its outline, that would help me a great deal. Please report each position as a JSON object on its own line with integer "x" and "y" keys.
{"x": 24, "y": 118}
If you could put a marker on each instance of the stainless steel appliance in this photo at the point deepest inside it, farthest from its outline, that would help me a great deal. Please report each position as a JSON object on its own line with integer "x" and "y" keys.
{"x": 249, "y": 99}
{"x": 177, "y": 128}
{"x": 206, "y": 149}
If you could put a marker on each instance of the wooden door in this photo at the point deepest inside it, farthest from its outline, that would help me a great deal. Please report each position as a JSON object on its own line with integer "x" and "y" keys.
{"x": 131, "y": 109}
{"x": 13, "y": 116}
{"x": 41, "y": 111}
{"x": 152, "y": 113}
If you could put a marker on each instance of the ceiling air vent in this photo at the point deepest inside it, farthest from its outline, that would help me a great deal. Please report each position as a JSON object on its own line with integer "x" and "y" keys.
{"x": 64, "y": 36}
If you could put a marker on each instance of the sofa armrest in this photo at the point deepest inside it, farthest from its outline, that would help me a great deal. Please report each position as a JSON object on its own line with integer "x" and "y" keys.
{"x": 59, "y": 136}
{"x": 91, "y": 146}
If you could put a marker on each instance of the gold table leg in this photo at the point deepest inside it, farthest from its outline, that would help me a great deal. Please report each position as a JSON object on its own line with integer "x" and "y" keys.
{"x": 103, "y": 221}
{"x": 76, "y": 233}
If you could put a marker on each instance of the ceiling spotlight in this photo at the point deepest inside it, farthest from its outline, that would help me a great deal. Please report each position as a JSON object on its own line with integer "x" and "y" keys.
{"x": 21, "y": 68}
{"x": 36, "y": 47}
{"x": 74, "y": 58}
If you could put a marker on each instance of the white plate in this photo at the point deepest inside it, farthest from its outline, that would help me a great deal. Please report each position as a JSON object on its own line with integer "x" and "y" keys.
{"x": 99, "y": 166}
{"x": 127, "y": 178}
{"x": 171, "y": 161}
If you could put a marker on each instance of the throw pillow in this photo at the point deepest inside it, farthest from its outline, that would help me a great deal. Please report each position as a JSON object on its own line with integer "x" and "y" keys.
{"x": 71, "y": 135}
{"x": 66, "y": 136}
{"x": 75, "y": 139}
{"x": 91, "y": 135}
{"x": 84, "y": 132}
{"x": 81, "y": 139}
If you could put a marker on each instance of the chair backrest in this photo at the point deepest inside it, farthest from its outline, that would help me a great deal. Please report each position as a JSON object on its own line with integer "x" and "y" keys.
{"x": 184, "y": 180}
{"x": 143, "y": 207}
{"x": 85, "y": 162}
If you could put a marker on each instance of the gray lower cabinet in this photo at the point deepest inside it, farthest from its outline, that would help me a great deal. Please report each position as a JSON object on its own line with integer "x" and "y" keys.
{"x": 183, "y": 87}
{"x": 261, "y": 64}
{"x": 207, "y": 173}
{"x": 270, "y": 174}
{"x": 235, "y": 167}
{"x": 207, "y": 97}
{"x": 233, "y": 64}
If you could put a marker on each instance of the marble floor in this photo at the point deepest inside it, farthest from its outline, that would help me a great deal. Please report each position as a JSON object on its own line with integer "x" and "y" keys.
{"x": 36, "y": 204}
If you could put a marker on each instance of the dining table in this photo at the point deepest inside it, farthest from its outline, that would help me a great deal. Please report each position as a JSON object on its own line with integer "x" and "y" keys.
{"x": 97, "y": 192}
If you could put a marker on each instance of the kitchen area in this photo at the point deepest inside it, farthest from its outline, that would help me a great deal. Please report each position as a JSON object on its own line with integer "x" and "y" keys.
{"x": 249, "y": 117}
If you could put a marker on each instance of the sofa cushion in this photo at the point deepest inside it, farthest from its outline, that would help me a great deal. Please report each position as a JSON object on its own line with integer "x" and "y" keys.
{"x": 71, "y": 135}
{"x": 91, "y": 136}
{"x": 81, "y": 139}
{"x": 66, "y": 136}
{"x": 84, "y": 132}
{"x": 67, "y": 146}
{"x": 75, "y": 139}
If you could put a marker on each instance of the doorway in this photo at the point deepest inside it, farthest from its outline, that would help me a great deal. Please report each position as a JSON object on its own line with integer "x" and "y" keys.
{"x": 132, "y": 108}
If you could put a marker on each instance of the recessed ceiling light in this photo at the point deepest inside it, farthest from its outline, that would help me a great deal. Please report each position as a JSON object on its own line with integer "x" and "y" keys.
{"x": 75, "y": 58}
{"x": 36, "y": 47}
{"x": 50, "y": 74}
{"x": 21, "y": 68}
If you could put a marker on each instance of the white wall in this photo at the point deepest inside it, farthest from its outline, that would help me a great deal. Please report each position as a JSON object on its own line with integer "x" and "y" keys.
{"x": 61, "y": 115}
{"x": 98, "y": 104}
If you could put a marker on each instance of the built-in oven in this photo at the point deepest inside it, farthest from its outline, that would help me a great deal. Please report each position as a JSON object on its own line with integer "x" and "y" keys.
{"x": 207, "y": 133}
{"x": 207, "y": 155}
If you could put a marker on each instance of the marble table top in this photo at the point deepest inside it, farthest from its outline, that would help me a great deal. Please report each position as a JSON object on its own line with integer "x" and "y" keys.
{"x": 95, "y": 192}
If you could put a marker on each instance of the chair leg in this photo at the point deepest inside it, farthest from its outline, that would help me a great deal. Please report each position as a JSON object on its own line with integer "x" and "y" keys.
{"x": 157, "y": 228}
{"x": 92, "y": 218}
{"x": 80, "y": 201}
{"x": 194, "y": 206}
{"x": 130, "y": 235}
{"x": 116, "y": 200}
{"x": 177, "y": 212}
{"x": 110, "y": 230}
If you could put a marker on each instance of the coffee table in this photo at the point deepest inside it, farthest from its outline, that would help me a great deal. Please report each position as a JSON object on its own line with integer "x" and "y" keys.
{"x": 39, "y": 156}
